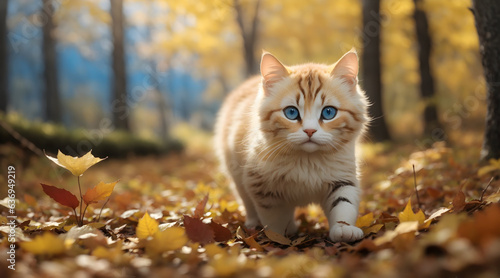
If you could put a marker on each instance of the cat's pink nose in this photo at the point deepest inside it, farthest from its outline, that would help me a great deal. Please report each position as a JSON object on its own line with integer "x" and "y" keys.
{"x": 310, "y": 132}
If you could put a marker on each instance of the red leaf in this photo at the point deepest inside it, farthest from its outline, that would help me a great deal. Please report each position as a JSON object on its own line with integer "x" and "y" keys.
{"x": 62, "y": 196}
{"x": 221, "y": 233}
{"x": 200, "y": 208}
{"x": 198, "y": 231}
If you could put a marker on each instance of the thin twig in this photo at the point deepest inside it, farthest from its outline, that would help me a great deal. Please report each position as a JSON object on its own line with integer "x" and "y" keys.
{"x": 76, "y": 218}
{"x": 99, "y": 217}
{"x": 484, "y": 191}
{"x": 81, "y": 201}
{"x": 85, "y": 210}
{"x": 415, "y": 184}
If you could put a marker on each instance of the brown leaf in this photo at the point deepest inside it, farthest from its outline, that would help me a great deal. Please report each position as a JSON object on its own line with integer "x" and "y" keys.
{"x": 221, "y": 233}
{"x": 198, "y": 231}
{"x": 200, "y": 208}
{"x": 281, "y": 239}
{"x": 459, "y": 202}
{"x": 62, "y": 196}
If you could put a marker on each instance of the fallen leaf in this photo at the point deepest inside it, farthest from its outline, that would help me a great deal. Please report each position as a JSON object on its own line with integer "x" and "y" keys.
{"x": 200, "y": 208}
{"x": 458, "y": 202}
{"x": 146, "y": 227}
{"x": 221, "y": 233}
{"x": 372, "y": 229}
{"x": 76, "y": 165}
{"x": 298, "y": 241}
{"x": 365, "y": 220}
{"x": 99, "y": 192}
{"x": 437, "y": 214}
{"x": 408, "y": 215}
{"x": 494, "y": 165}
{"x": 403, "y": 228}
{"x": 114, "y": 254}
{"x": 30, "y": 200}
{"x": 493, "y": 198}
{"x": 46, "y": 244}
{"x": 198, "y": 231}
{"x": 62, "y": 196}
{"x": 281, "y": 239}
{"x": 171, "y": 239}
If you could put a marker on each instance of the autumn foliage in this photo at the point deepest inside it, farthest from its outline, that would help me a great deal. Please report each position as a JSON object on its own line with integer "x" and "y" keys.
{"x": 175, "y": 216}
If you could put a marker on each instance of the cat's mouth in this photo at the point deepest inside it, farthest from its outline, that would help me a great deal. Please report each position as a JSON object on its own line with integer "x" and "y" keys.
{"x": 310, "y": 146}
{"x": 310, "y": 141}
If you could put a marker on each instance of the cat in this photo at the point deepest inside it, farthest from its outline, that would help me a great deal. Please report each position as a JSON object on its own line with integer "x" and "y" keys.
{"x": 287, "y": 138}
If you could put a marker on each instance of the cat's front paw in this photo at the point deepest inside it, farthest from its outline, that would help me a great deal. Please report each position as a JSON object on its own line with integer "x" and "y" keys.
{"x": 345, "y": 233}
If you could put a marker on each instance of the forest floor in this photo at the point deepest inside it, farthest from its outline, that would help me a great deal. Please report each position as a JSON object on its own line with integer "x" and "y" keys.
{"x": 175, "y": 216}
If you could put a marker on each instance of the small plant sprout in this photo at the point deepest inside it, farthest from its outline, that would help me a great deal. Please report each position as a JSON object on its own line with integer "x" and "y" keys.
{"x": 77, "y": 166}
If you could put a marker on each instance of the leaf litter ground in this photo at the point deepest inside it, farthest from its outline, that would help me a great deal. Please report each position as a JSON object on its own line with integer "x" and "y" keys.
{"x": 175, "y": 217}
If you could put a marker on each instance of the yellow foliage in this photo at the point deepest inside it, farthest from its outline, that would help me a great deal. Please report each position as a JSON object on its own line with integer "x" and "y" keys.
{"x": 99, "y": 192}
{"x": 76, "y": 165}
{"x": 407, "y": 215}
{"x": 409, "y": 227}
{"x": 46, "y": 244}
{"x": 170, "y": 239}
{"x": 147, "y": 227}
{"x": 494, "y": 165}
{"x": 365, "y": 220}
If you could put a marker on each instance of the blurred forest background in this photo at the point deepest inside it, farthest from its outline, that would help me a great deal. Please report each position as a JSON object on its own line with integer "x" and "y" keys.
{"x": 150, "y": 66}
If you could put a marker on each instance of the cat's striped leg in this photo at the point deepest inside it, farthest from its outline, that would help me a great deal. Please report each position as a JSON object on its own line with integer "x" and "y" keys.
{"x": 341, "y": 204}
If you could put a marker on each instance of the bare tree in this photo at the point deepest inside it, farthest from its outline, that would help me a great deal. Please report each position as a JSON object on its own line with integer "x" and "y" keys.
{"x": 50, "y": 73}
{"x": 248, "y": 33}
{"x": 4, "y": 58}
{"x": 488, "y": 29}
{"x": 119, "y": 105}
{"x": 432, "y": 126}
{"x": 371, "y": 69}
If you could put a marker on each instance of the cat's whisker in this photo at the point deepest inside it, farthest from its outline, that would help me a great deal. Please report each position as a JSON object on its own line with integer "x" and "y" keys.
{"x": 270, "y": 148}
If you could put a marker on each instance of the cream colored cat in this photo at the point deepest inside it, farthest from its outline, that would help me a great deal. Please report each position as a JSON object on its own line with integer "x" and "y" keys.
{"x": 287, "y": 138}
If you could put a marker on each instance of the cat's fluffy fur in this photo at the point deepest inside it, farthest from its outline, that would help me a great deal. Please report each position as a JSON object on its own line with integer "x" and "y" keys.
{"x": 277, "y": 163}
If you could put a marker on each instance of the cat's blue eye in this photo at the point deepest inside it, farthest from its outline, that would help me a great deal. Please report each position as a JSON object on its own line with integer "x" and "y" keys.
{"x": 328, "y": 113}
{"x": 291, "y": 113}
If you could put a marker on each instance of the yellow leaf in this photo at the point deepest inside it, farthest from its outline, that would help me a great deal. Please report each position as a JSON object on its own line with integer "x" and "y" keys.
{"x": 494, "y": 165}
{"x": 409, "y": 215}
{"x": 76, "y": 165}
{"x": 99, "y": 192}
{"x": 113, "y": 254}
{"x": 212, "y": 250}
{"x": 373, "y": 229}
{"x": 46, "y": 244}
{"x": 147, "y": 227}
{"x": 170, "y": 239}
{"x": 365, "y": 220}
{"x": 403, "y": 228}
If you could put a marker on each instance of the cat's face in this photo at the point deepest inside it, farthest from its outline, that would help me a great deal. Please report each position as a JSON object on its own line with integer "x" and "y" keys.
{"x": 311, "y": 107}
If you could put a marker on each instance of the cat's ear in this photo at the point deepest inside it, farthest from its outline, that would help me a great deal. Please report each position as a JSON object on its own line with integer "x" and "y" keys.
{"x": 271, "y": 69}
{"x": 347, "y": 67}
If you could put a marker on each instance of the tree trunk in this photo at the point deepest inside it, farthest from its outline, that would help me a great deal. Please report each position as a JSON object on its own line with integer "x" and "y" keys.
{"x": 4, "y": 57}
{"x": 249, "y": 36}
{"x": 486, "y": 14}
{"x": 161, "y": 103}
{"x": 371, "y": 69}
{"x": 120, "y": 107}
{"x": 52, "y": 97}
{"x": 432, "y": 126}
